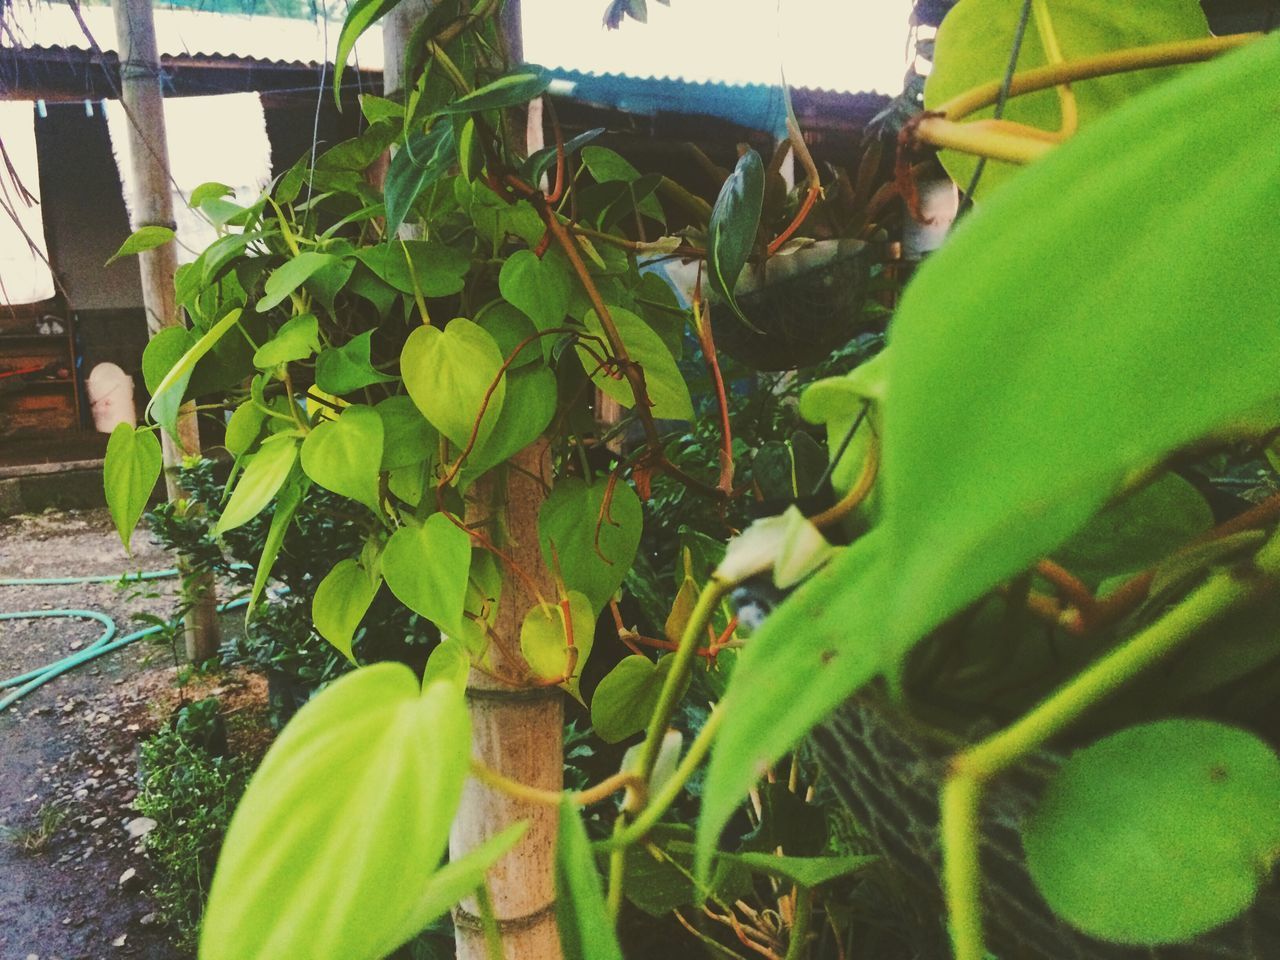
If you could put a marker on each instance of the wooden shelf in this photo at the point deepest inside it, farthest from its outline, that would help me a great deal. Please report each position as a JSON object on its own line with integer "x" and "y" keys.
{"x": 40, "y": 405}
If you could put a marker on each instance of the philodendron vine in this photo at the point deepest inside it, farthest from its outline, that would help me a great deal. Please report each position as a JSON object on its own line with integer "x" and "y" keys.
{"x": 1103, "y": 313}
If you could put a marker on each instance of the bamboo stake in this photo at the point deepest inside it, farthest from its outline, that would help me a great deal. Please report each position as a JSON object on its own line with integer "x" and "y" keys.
{"x": 149, "y": 176}
{"x": 517, "y": 731}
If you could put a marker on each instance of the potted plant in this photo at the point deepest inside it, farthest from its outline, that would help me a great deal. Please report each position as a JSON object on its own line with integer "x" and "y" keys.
{"x": 799, "y": 299}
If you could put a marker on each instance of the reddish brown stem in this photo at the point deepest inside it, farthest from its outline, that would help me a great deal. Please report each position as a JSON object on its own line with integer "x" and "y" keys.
{"x": 803, "y": 214}
{"x": 1069, "y": 587}
{"x": 558, "y": 191}
{"x": 488, "y": 397}
{"x": 707, "y": 338}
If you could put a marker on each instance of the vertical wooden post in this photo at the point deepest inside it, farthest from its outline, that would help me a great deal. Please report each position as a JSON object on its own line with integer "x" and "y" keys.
{"x": 149, "y": 177}
{"x": 517, "y": 731}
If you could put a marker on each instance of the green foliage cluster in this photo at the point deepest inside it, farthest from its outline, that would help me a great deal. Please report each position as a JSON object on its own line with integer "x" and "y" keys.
{"x": 280, "y": 639}
{"x": 1011, "y": 538}
{"x": 191, "y": 792}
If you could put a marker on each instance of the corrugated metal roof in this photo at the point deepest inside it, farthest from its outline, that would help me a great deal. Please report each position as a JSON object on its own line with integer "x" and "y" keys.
{"x": 755, "y": 106}
{"x": 196, "y": 35}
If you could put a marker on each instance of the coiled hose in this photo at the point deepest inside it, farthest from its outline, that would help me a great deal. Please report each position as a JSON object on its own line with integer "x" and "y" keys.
{"x": 25, "y": 683}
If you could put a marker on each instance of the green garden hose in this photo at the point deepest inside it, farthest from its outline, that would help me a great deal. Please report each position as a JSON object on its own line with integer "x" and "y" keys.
{"x": 24, "y": 683}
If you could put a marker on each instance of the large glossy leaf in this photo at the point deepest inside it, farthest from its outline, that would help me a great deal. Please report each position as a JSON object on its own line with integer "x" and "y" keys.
{"x": 586, "y": 932}
{"x": 345, "y": 369}
{"x": 591, "y": 546}
{"x": 130, "y": 470}
{"x": 1055, "y": 349}
{"x": 540, "y": 288}
{"x": 515, "y": 88}
{"x": 331, "y": 854}
{"x": 450, "y": 373}
{"x": 549, "y": 631}
{"x": 1158, "y": 833}
{"x": 263, "y": 476}
{"x": 407, "y": 437}
{"x": 420, "y": 162}
{"x": 427, "y": 567}
{"x": 144, "y": 238}
{"x": 734, "y": 221}
{"x": 667, "y": 389}
{"x": 529, "y": 407}
{"x": 290, "y": 275}
{"x": 975, "y": 39}
{"x": 625, "y": 699}
{"x": 345, "y": 455}
{"x": 340, "y": 602}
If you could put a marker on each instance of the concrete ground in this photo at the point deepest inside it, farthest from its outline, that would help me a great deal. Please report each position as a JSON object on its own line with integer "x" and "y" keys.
{"x": 68, "y": 770}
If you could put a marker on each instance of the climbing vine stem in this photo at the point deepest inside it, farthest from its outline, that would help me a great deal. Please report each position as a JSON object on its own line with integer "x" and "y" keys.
{"x": 1015, "y": 144}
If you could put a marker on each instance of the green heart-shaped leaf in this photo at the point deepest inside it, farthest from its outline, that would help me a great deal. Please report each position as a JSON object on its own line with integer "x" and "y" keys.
{"x": 345, "y": 369}
{"x": 626, "y": 697}
{"x": 130, "y": 470}
{"x": 541, "y": 289}
{"x": 341, "y": 600}
{"x": 1137, "y": 531}
{"x": 265, "y": 473}
{"x": 593, "y": 548}
{"x": 455, "y": 377}
{"x": 345, "y": 455}
{"x": 290, "y": 275}
{"x": 527, "y": 411}
{"x": 297, "y": 339}
{"x": 663, "y": 380}
{"x": 144, "y": 238}
{"x": 511, "y": 329}
{"x": 161, "y": 354}
{"x": 243, "y": 428}
{"x": 547, "y": 633}
{"x": 407, "y": 437}
{"x": 426, "y": 568}
{"x": 354, "y": 798}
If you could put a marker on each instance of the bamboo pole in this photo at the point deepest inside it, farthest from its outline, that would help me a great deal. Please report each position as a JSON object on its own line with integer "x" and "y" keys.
{"x": 149, "y": 178}
{"x": 516, "y": 731}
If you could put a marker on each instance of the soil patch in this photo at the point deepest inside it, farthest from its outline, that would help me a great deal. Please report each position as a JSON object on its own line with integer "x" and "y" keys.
{"x": 73, "y": 872}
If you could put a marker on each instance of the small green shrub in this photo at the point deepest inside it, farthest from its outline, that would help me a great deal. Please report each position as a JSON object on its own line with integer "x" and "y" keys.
{"x": 279, "y": 638}
{"x": 191, "y": 792}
